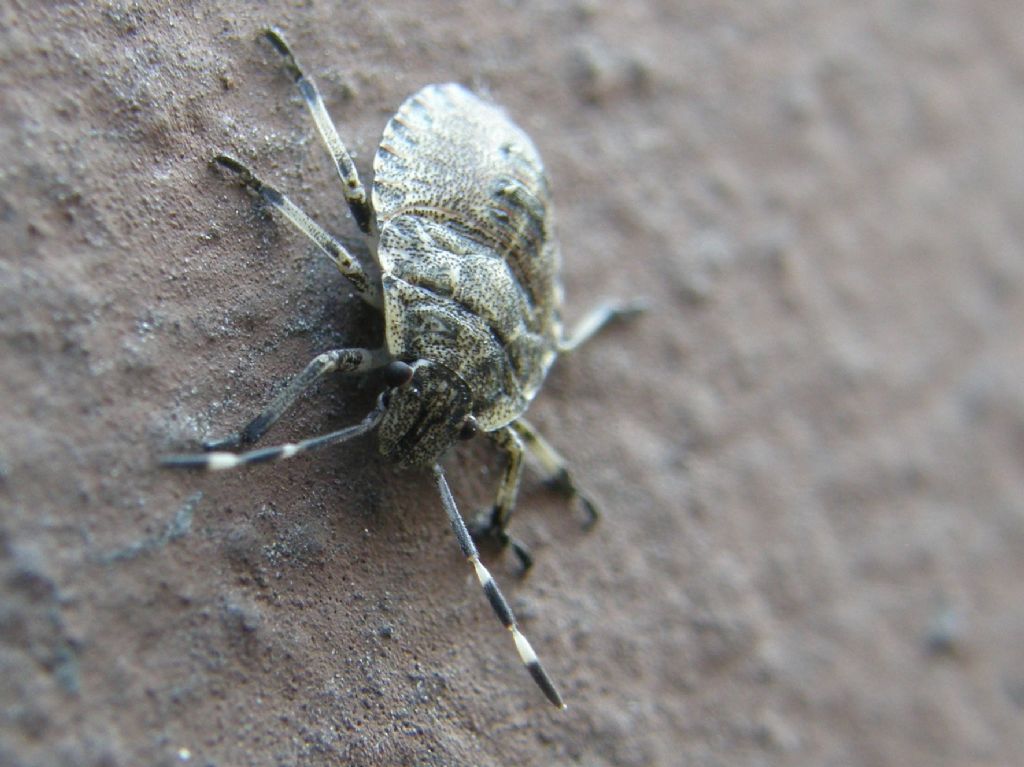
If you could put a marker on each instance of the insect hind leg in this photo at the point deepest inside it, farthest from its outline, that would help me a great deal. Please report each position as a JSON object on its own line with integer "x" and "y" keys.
{"x": 355, "y": 193}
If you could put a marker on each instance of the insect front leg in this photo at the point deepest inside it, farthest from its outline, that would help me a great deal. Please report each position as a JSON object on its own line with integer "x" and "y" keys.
{"x": 221, "y": 460}
{"x": 493, "y": 522}
{"x": 355, "y": 193}
{"x": 338, "y": 253}
{"x": 558, "y": 475}
{"x": 334, "y": 361}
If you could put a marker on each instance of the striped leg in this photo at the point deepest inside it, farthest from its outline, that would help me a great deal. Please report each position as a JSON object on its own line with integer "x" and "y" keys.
{"x": 355, "y": 194}
{"x": 336, "y": 360}
{"x": 596, "y": 321}
{"x": 219, "y": 461}
{"x": 337, "y": 252}
{"x": 494, "y": 595}
{"x": 493, "y": 522}
{"x": 558, "y": 475}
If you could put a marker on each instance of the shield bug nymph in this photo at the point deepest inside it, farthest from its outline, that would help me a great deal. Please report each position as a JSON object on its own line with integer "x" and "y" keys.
{"x": 461, "y": 222}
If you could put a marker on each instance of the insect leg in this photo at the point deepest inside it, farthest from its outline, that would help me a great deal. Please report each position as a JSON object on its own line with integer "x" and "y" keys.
{"x": 507, "y": 440}
{"x": 493, "y": 522}
{"x": 558, "y": 475}
{"x": 493, "y": 593}
{"x": 596, "y": 321}
{"x": 355, "y": 194}
{"x": 219, "y": 461}
{"x": 334, "y": 361}
{"x": 337, "y": 252}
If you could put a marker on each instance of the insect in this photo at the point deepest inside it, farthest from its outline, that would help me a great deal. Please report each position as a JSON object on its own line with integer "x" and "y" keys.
{"x": 461, "y": 223}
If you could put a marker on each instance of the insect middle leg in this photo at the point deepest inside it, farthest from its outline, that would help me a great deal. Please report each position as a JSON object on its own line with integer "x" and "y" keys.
{"x": 355, "y": 193}
{"x": 596, "y": 321}
{"x": 334, "y": 361}
{"x": 338, "y": 253}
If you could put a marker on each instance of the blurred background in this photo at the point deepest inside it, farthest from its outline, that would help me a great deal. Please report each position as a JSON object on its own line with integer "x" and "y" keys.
{"x": 809, "y": 454}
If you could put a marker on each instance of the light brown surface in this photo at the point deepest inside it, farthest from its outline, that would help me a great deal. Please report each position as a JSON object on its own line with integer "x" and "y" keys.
{"x": 810, "y": 455}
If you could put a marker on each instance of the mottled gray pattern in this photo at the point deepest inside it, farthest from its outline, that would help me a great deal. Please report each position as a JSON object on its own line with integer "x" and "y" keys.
{"x": 467, "y": 249}
{"x": 461, "y": 221}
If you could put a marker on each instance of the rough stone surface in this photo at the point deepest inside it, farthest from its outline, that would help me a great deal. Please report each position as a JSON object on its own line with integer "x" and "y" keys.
{"x": 810, "y": 455}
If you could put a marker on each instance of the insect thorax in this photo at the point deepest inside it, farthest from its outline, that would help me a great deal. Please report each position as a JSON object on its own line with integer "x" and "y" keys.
{"x": 452, "y": 300}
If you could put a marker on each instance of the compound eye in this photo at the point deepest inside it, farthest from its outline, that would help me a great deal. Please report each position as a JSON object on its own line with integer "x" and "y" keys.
{"x": 469, "y": 428}
{"x": 397, "y": 373}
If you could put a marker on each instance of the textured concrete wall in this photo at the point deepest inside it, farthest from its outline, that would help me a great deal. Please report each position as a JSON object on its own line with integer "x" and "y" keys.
{"x": 810, "y": 454}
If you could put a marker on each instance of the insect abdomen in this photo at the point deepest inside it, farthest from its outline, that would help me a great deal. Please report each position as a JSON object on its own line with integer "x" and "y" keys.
{"x": 449, "y": 157}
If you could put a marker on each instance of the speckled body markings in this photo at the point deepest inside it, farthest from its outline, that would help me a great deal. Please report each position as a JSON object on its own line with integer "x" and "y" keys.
{"x": 466, "y": 248}
{"x": 460, "y": 219}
